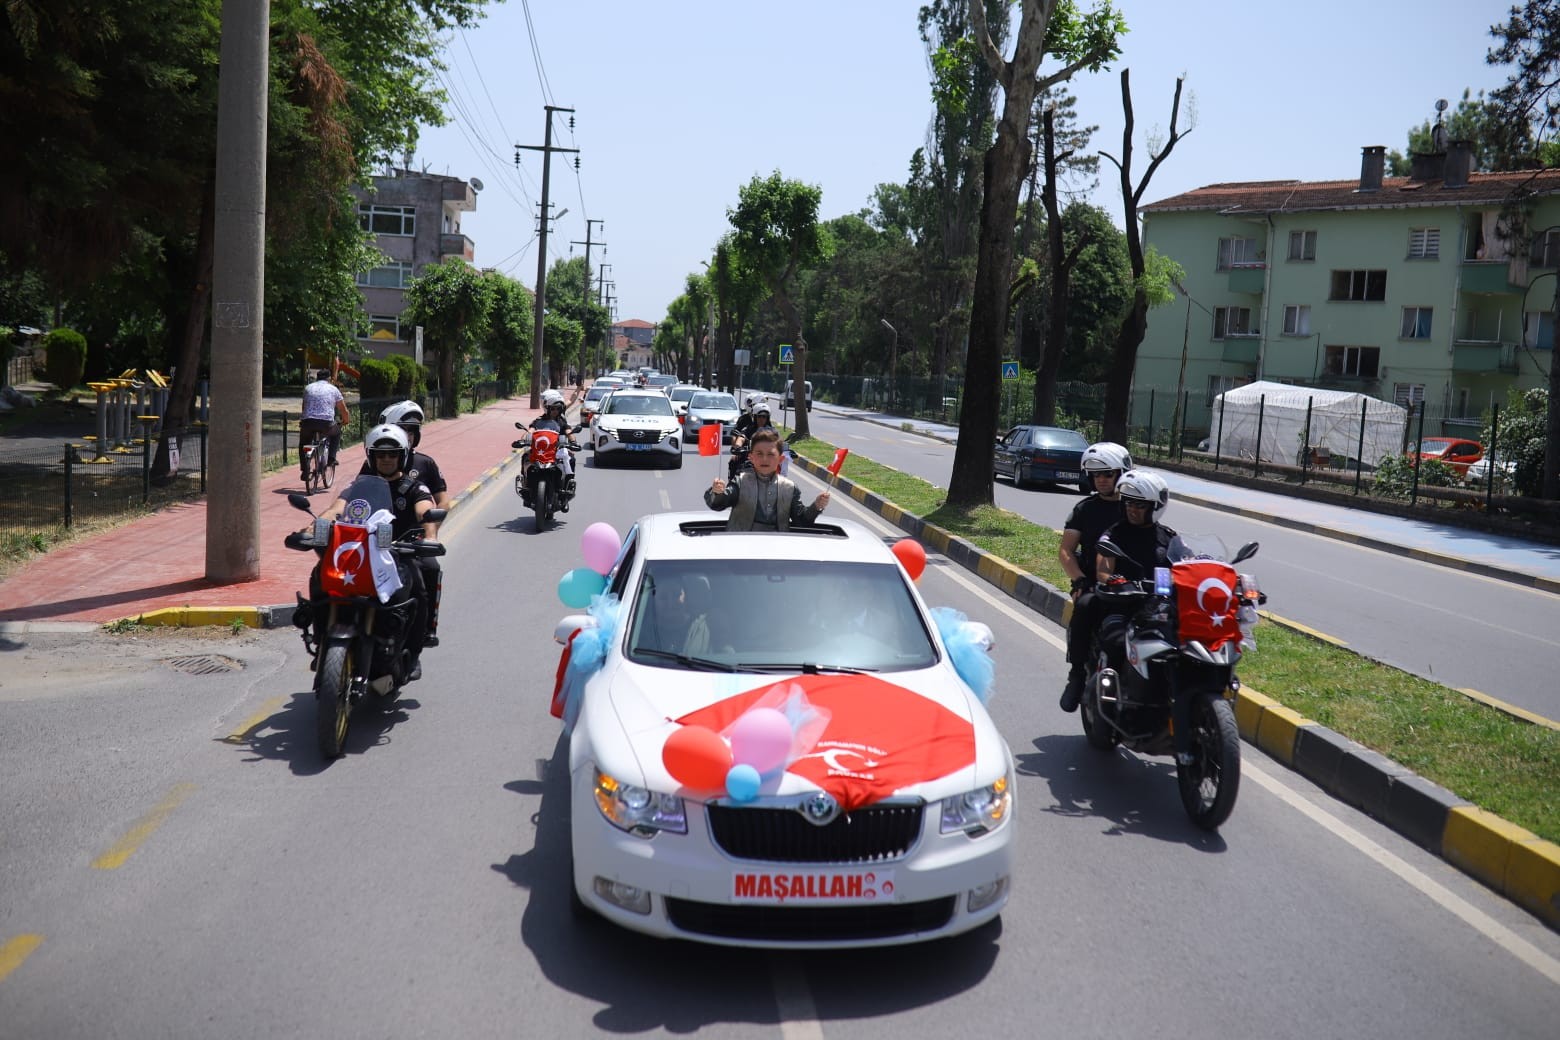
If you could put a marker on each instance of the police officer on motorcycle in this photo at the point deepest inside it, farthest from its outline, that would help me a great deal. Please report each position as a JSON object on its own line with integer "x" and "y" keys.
{"x": 1131, "y": 548}
{"x": 553, "y": 418}
{"x": 408, "y": 415}
{"x": 1104, "y": 464}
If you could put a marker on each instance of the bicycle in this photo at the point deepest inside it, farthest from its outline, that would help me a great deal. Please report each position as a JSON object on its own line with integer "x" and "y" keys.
{"x": 321, "y": 467}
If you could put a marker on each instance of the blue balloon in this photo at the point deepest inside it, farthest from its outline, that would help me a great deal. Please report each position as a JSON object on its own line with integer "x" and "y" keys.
{"x": 742, "y": 783}
{"x": 579, "y": 585}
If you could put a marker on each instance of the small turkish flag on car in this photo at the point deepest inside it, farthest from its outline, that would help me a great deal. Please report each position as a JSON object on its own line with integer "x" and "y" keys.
{"x": 839, "y": 460}
{"x": 709, "y": 439}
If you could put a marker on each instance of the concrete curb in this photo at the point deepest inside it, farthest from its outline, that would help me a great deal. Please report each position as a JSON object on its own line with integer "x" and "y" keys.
{"x": 1509, "y": 859}
{"x": 1423, "y": 555}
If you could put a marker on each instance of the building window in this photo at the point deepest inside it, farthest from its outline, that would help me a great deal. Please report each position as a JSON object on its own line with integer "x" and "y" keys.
{"x": 1359, "y": 285}
{"x": 1538, "y": 330}
{"x": 1302, "y": 245}
{"x": 1297, "y": 320}
{"x": 1416, "y": 323}
{"x": 1424, "y": 243}
{"x": 1546, "y": 249}
{"x": 384, "y": 326}
{"x": 1408, "y": 395}
{"x": 387, "y": 276}
{"x": 1218, "y": 385}
{"x": 1234, "y": 251}
{"x": 1361, "y": 362}
{"x": 1231, "y": 321}
{"x": 388, "y": 220}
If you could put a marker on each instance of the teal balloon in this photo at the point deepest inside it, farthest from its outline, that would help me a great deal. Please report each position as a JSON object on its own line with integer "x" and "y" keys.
{"x": 579, "y": 585}
{"x": 742, "y": 783}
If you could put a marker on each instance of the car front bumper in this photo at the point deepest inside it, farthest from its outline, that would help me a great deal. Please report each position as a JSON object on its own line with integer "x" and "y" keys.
{"x": 611, "y": 444}
{"x": 686, "y": 886}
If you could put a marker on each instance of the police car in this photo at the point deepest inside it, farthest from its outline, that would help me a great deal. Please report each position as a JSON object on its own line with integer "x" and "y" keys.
{"x": 771, "y": 743}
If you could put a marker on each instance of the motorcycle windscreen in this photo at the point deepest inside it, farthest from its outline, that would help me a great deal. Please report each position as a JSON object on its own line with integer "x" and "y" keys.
{"x": 1205, "y": 603}
{"x": 544, "y": 447}
{"x": 347, "y": 569}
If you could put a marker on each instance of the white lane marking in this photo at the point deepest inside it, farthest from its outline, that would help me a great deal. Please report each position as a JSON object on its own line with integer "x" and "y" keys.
{"x": 666, "y": 501}
{"x": 798, "y": 1013}
{"x": 1486, "y": 925}
{"x": 1448, "y": 900}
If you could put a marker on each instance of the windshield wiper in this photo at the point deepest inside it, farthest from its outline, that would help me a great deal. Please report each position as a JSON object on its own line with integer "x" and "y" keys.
{"x": 703, "y": 664}
{"x": 805, "y": 667}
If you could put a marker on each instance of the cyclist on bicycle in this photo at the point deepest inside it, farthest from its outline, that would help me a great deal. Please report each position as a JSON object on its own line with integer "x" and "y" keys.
{"x": 324, "y": 413}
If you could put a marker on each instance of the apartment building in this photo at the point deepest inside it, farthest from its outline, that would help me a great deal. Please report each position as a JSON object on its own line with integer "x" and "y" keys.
{"x": 1435, "y": 287}
{"x": 415, "y": 219}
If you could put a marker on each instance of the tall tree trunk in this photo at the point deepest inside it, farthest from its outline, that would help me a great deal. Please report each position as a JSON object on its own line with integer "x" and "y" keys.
{"x": 186, "y": 377}
{"x": 1061, "y": 276}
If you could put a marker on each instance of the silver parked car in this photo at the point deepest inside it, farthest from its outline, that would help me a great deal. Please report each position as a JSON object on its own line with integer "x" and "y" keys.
{"x": 711, "y": 407}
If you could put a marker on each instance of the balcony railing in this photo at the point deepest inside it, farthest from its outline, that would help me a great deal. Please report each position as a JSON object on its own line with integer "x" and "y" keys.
{"x": 1241, "y": 349}
{"x": 1248, "y": 278}
{"x": 1484, "y": 357}
{"x": 457, "y": 245}
{"x": 1488, "y": 277}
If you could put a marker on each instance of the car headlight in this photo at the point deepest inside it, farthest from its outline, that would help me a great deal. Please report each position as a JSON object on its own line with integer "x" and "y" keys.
{"x": 978, "y": 811}
{"x": 637, "y": 810}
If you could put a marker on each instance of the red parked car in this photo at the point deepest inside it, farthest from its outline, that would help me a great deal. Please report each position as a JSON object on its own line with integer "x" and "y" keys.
{"x": 1457, "y": 453}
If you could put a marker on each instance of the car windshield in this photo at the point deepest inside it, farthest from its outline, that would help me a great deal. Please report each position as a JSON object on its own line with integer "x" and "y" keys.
{"x": 638, "y": 404}
{"x": 1434, "y": 447}
{"x": 777, "y": 616}
{"x": 595, "y": 394}
{"x": 714, "y": 402}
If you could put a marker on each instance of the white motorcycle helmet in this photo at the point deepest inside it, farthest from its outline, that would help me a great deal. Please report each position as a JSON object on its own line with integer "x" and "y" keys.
{"x": 753, "y": 401}
{"x": 408, "y": 416}
{"x": 552, "y": 397}
{"x": 387, "y": 438}
{"x": 1141, "y": 485}
{"x": 1106, "y": 457}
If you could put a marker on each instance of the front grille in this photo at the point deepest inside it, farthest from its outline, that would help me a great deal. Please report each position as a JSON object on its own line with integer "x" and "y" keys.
{"x": 783, "y": 835}
{"x": 639, "y": 436}
{"x": 810, "y": 923}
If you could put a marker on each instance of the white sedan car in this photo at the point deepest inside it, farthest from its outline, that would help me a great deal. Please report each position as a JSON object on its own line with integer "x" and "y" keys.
{"x": 637, "y": 423}
{"x": 883, "y": 815}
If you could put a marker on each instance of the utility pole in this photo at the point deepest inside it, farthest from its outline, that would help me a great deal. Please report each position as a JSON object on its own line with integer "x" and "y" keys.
{"x": 238, "y": 294}
{"x": 585, "y": 347}
{"x": 601, "y": 301}
{"x": 546, "y": 148}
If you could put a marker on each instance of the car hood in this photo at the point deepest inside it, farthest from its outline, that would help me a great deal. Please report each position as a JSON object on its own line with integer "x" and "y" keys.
{"x": 636, "y": 422}
{"x": 720, "y": 415}
{"x": 920, "y": 733}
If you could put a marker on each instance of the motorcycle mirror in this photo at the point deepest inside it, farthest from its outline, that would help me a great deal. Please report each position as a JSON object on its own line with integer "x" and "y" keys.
{"x": 519, "y": 425}
{"x": 1246, "y": 552}
{"x": 517, "y": 444}
{"x": 298, "y": 501}
{"x": 435, "y": 516}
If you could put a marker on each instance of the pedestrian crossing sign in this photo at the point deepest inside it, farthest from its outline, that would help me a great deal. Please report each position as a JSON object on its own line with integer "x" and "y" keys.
{"x": 787, "y": 354}
{"x": 1009, "y": 370}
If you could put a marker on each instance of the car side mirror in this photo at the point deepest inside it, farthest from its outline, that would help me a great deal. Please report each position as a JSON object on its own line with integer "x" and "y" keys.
{"x": 571, "y": 624}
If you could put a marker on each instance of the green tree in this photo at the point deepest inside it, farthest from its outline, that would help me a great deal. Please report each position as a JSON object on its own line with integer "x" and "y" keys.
{"x": 508, "y": 343}
{"x": 1522, "y": 435}
{"x": 777, "y": 234}
{"x": 454, "y": 304}
{"x": 562, "y": 338}
{"x": 1529, "y": 99}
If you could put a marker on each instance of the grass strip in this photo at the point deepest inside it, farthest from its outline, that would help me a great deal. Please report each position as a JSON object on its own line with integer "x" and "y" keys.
{"x": 1504, "y": 765}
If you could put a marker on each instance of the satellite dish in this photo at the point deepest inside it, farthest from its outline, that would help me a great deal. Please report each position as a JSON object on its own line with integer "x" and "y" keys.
{"x": 476, "y": 184}
{"x": 1441, "y": 105}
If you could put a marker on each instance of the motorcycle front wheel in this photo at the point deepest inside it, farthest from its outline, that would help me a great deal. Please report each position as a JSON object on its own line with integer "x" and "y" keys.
{"x": 545, "y": 504}
{"x": 1210, "y": 782}
{"x": 332, "y": 685}
{"x": 1099, "y": 733}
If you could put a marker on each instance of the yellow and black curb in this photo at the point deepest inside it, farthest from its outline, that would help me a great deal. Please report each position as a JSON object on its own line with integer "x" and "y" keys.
{"x": 1514, "y": 862}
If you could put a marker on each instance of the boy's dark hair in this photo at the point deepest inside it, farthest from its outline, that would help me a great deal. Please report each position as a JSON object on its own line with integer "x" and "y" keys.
{"x": 766, "y": 435}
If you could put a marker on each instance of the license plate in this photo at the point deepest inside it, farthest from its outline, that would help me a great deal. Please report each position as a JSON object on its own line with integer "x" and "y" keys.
{"x": 638, "y": 447}
{"x": 1066, "y": 476}
{"x": 812, "y": 887}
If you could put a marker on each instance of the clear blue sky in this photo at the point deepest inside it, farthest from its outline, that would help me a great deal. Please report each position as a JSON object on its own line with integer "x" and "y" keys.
{"x": 679, "y": 103}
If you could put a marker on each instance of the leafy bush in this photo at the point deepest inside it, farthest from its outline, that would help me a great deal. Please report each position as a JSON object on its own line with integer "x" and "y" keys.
{"x": 411, "y": 379}
{"x": 1395, "y": 475}
{"x": 377, "y": 379}
{"x": 1522, "y": 426}
{"x": 66, "y": 362}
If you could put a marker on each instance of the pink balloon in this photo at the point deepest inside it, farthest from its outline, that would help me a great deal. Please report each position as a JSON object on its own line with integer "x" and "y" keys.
{"x": 599, "y": 545}
{"x": 761, "y": 738}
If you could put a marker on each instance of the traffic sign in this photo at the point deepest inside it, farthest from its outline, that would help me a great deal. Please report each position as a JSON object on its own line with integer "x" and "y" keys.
{"x": 1009, "y": 370}
{"x": 787, "y": 354}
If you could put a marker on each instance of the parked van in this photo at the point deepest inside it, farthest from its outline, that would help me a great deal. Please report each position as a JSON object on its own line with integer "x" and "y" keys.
{"x": 787, "y": 402}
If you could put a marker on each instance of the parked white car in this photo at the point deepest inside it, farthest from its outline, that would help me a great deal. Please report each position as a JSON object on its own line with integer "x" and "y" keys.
{"x": 884, "y": 812}
{"x": 636, "y": 423}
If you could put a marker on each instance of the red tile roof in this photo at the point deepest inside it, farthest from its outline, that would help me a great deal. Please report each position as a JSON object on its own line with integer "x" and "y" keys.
{"x": 1396, "y": 192}
{"x": 633, "y": 323}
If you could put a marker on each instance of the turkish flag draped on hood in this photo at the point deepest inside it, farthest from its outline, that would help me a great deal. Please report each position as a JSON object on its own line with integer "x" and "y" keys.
{"x": 1205, "y": 602}
{"x": 880, "y": 737}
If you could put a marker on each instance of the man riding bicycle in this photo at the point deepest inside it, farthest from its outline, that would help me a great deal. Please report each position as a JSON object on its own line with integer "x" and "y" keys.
{"x": 324, "y": 413}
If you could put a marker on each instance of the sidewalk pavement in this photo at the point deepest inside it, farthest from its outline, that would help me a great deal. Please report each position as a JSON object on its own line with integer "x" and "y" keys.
{"x": 154, "y": 568}
{"x": 1517, "y": 560}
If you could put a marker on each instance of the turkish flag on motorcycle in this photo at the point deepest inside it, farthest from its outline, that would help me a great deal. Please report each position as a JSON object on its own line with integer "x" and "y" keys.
{"x": 1205, "y": 602}
{"x": 346, "y": 569}
{"x": 709, "y": 439}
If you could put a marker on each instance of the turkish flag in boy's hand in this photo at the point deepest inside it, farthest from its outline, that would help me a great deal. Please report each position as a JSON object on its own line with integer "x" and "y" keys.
{"x": 709, "y": 439}
{"x": 839, "y": 460}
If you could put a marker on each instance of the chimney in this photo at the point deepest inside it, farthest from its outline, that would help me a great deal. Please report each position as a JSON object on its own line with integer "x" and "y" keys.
{"x": 1459, "y": 163}
{"x": 1372, "y": 166}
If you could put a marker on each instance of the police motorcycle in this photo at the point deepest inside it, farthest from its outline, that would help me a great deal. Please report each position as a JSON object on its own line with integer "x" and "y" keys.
{"x": 541, "y": 484}
{"x": 361, "y": 608}
{"x": 1164, "y": 673}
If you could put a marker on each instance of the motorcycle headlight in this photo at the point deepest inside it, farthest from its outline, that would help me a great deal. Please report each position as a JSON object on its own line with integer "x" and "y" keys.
{"x": 637, "y": 810}
{"x": 979, "y": 811}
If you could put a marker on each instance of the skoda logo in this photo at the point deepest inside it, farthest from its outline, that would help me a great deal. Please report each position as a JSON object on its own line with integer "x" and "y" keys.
{"x": 820, "y": 809}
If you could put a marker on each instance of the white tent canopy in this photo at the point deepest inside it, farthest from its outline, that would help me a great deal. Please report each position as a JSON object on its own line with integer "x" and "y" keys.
{"x": 1335, "y": 415}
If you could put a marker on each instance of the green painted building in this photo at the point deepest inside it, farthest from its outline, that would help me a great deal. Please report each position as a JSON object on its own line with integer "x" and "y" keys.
{"x": 1419, "y": 288}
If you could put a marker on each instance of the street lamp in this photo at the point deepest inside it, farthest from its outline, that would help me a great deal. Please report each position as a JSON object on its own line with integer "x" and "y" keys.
{"x": 893, "y": 363}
